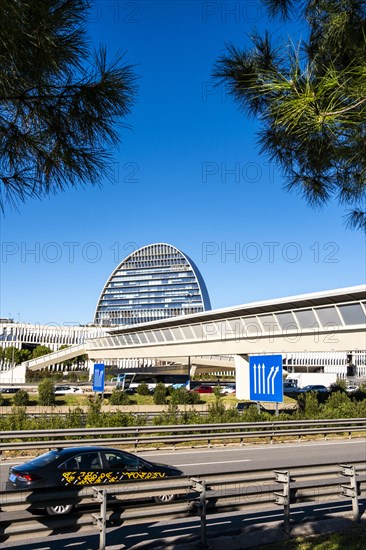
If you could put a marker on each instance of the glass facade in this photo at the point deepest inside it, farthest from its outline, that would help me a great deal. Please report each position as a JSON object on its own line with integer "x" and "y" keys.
{"x": 155, "y": 282}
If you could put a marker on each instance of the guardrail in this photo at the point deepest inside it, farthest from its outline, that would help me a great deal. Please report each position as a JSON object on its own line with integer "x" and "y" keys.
{"x": 201, "y": 496}
{"x": 134, "y": 436}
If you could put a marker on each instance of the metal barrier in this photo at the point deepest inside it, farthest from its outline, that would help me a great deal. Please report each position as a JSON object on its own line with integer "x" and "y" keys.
{"x": 144, "y": 435}
{"x": 201, "y": 496}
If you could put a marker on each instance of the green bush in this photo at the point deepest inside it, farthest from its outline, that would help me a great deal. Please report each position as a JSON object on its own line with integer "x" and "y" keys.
{"x": 309, "y": 405}
{"x": 181, "y": 396}
{"x": 143, "y": 389}
{"x": 21, "y": 398}
{"x": 339, "y": 405}
{"x": 160, "y": 394}
{"x": 94, "y": 413}
{"x": 119, "y": 397}
{"x": 46, "y": 393}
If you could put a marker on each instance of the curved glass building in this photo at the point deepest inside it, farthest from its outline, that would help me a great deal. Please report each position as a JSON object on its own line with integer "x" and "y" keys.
{"x": 153, "y": 283}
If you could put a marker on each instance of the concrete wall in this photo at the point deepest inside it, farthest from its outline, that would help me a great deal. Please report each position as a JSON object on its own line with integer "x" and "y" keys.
{"x": 15, "y": 375}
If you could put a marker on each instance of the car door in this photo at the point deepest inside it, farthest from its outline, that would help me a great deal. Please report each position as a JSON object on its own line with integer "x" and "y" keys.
{"x": 124, "y": 466}
{"x": 84, "y": 468}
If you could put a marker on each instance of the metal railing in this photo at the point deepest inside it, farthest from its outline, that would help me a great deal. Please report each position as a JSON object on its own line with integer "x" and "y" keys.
{"x": 135, "y": 436}
{"x": 199, "y": 496}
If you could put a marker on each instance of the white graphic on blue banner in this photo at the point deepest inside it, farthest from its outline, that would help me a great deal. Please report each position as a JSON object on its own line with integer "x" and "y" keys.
{"x": 265, "y": 378}
{"x": 98, "y": 377}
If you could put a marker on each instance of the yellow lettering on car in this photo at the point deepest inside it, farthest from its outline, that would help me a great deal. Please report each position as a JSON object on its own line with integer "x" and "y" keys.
{"x": 93, "y": 478}
{"x": 69, "y": 477}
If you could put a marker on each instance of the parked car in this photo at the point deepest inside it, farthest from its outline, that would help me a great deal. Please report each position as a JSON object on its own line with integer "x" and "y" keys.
{"x": 227, "y": 390}
{"x": 63, "y": 390}
{"x": 77, "y": 467}
{"x": 315, "y": 388}
{"x": 203, "y": 389}
{"x": 351, "y": 388}
{"x": 9, "y": 390}
{"x": 290, "y": 388}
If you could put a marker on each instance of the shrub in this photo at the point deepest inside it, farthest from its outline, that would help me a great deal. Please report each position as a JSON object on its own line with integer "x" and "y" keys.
{"x": 339, "y": 405}
{"x": 181, "y": 396}
{"x": 94, "y": 413}
{"x": 338, "y": 386}
{"x": 160, "y": 394}
{"x": 309, "y": 406}
{"x": 21, "y": 398}
{"x": 143, "y": 389}
{"x": 46, "y": 392}
{"x": 119, "y": 397}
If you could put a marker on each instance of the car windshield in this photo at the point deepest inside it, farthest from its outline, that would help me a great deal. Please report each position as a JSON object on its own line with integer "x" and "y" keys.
{"x": 44, "y": 459}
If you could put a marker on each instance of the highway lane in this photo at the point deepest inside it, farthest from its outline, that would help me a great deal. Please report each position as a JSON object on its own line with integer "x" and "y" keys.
{"x": 208, "y": 460}
{"x": 249, "y": 457}
{"x": 255, "y": 457}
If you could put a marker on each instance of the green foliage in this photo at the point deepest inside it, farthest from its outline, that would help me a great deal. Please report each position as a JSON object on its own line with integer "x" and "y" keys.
{"x": 181, "y": 396}
{"x": 24, "y": 355}
{"x": 12, "y": 354}
{"x": 34, "y": 376}
{"x": 40, "y": 350}
{"x": 339, "y": 385}
{"x": 160, "y": 393}
{"x": 46, "y": 395}
{"x": 143, "y": 389}
{"x": 338, "y": 405}
{"x": 18, "y": 419}
{"x": 94, "y": 413}
{"x": 61, "y": 101}
{"x": 119, "y": 397}
{"x": 74, "y": 418}
{"x": 310, "y": 98}
{"x": 171, "y": 415}
{"x": 309, "y": 405}
{"x": 21, "y": 398}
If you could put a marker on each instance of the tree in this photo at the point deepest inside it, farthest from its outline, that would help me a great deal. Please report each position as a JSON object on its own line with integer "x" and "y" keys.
{"x": 60, "y": 103}
{"x": 160, "y": 392}
{"x": 311, "y": 100}
{"x": 40, "y": 350}
{"x": 21, "y": 398}
{"x": 12, "y": 354}
{"x": 46, "y": 393}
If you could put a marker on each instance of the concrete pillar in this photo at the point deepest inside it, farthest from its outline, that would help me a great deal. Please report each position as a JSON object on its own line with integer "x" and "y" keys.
{"x": 242, "y": 376}
{"x": 90, "y": 365}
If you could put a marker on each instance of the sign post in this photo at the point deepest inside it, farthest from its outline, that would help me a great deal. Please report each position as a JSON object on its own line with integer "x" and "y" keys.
{"x": 265, "y": 378}
{"x": 98, "y": 378}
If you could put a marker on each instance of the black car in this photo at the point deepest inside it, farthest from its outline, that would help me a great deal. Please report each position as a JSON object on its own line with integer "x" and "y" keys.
{"x": 9, "y": 390}
{"x": 315, "y": 388}
{"x": 77, "y": 467}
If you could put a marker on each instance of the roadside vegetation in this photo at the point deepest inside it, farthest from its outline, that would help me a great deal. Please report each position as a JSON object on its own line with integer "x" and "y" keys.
{"x": 178, "y": 408}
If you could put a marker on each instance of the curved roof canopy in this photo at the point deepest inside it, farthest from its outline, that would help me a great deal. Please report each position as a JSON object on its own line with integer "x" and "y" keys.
{"x": 153, "y": 283}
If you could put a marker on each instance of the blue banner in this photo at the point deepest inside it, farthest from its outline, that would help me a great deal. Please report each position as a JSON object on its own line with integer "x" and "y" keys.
{"x": 265, "y": 378}
{"x": 98, "y": 377}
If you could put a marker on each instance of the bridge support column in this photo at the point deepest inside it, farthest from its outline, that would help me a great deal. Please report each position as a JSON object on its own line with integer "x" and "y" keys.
{"x": 242, "y": 376}
{"x": 90, "y": 364}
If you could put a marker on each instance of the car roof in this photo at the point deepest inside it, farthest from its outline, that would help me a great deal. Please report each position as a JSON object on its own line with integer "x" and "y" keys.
{"x": 91, "y": 448}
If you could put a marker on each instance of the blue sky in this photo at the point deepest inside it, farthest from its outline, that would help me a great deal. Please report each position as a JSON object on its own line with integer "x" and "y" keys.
{"x": 188, "y": 172}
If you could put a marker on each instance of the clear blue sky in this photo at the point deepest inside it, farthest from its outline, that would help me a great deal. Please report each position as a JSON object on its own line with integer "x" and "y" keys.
{"x": 189, "y": 174}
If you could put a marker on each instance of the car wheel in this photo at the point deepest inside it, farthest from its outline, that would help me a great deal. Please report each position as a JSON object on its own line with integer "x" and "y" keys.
{"x": 59, "y": 509}
{"x": 164, "y": 499}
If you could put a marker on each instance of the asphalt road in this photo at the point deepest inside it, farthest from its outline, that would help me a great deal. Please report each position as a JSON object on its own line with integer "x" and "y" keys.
{"x": 198, "y": 462}
{"x": 229, "y": 459}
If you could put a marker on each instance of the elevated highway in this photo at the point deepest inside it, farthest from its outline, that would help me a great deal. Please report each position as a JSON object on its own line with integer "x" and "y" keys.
{"x": 326, "y": 321}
